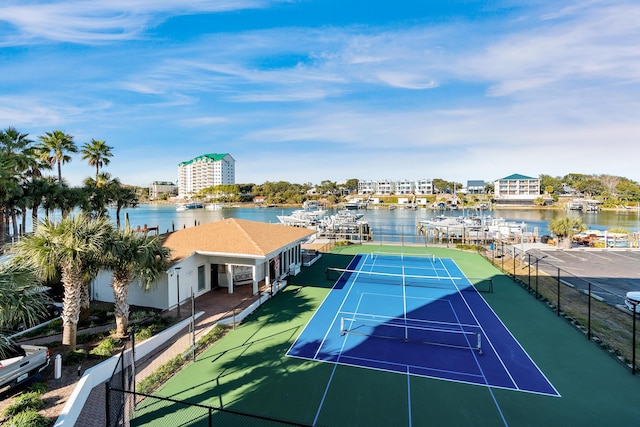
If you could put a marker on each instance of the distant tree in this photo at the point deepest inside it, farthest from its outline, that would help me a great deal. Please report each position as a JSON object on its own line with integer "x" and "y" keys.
{"x": 539, "y": 201}
{"x": 352, "y": 184}
{"x": 550, "y": 184}
{"x": 591, "y": 187}
{"x": 55, "y": 147}
{"x": 628, "y": 191}
{"x": 97, "y": 153}
{"x": 565, "y": 228}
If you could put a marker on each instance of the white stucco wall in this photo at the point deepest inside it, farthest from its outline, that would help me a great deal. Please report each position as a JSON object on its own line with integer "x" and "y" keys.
{"x": 157, "y": 297}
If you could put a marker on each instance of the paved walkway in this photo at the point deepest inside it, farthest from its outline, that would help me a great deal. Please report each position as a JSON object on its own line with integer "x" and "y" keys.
{"x": 216, "y": 305}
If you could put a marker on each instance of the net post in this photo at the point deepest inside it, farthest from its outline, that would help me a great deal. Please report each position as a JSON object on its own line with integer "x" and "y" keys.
{"x": 342, "y": 326}
{"x": 480, "y": 342}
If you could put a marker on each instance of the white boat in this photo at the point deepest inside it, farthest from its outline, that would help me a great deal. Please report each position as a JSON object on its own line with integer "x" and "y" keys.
{"x": 188, "y": 206}
{"x": 302, "y": 218}
{"x": 213, "y": 206}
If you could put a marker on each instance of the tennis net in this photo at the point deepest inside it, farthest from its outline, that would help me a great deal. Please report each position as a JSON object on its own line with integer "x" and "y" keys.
{"x": 379, "y": 256}
{"x": 439, "y": 282}
{"x": 460, "y": 336}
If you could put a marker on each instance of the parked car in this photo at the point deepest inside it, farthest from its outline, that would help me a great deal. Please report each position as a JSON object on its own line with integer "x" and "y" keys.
{"x": 20, "y": 363}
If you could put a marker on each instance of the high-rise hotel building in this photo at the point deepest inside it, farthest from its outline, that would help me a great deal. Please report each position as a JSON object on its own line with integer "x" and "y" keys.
{"x": 205, "y": 171}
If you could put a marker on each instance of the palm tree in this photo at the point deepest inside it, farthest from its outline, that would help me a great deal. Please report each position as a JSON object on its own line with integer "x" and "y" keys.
{"x": 54, "y": 148}
{"x": 65, "y": 246}
{"x": 21, "y": 300}
{"x": 564, "y": 228}
{"x": 97, "y": 153}
{"x": 122, "y": 197}
{"x": 9, "y": 185}
{"x": 36, "y": 192}
{"x": 21, "y": 163}
{"x": 133, "y": 256}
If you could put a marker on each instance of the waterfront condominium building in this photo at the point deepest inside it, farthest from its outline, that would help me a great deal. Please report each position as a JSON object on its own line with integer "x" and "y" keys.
{"x": 205, "y": 171}
{"x": 516, "y": 188}
{"x": 158, "y": 188}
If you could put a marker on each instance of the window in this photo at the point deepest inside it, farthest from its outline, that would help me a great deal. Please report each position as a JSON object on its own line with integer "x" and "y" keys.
{"x": 201, "y": 283}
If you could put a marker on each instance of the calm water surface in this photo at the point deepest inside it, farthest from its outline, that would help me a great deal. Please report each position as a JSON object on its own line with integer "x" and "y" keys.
{"x": 382, "y": 221}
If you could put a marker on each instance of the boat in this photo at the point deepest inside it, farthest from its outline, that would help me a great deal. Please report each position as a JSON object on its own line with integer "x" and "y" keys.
{"x": 302, "y": 218}
{"x": 485, "y": 227}
{"x": 213, "y": 206}
{"x": 189, "y": 206}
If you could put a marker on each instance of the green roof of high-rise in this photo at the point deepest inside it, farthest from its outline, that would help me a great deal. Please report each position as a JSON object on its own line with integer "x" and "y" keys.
{"x": 213, "y": 157}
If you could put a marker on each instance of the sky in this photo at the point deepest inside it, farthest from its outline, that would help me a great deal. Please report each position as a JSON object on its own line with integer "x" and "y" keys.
{"x": 311, "y": 90}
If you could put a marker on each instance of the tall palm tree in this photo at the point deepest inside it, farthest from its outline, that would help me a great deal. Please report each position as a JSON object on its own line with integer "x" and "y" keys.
{"x": 133, "y": 256}
{"x": 37, "y": 189}
{"x": 9, "y": 185}
{"x": 97, "y": 153}
{"x": 17, "y": 150}
{"x": 65, "y": 246}
{"x": 122, "y": 197}
{"x": 55, "y": 147}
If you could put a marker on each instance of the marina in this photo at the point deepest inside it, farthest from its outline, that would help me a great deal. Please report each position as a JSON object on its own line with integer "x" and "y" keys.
{"x": 382, "y": 225}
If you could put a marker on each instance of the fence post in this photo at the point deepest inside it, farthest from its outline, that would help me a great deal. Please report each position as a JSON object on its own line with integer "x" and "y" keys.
{"x": 529, "y": 274}
{"x": 589, "y": 314}
{"x": 537, "y": 259}
{"x": 633, "y": 340}
{"x": 133, "y": 362}
{"x": 558, "y": 307}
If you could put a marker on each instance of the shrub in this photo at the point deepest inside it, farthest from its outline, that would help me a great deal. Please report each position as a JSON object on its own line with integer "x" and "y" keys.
{"x": 28, "y": 418}
{"x": 38, "y": 387}
{"x": 106, "y": 347}
{"x": 74, "y": 357}
{"x": 31, "y": 400}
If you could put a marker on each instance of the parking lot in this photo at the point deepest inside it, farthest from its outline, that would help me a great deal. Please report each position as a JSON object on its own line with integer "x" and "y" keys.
{"x": 611, "y": 272}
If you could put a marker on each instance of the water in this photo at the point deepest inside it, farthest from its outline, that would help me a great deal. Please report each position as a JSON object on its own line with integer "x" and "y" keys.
{"x": 383, "y": 221}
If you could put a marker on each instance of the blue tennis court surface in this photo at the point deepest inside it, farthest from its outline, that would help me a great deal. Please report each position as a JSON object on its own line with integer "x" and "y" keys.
{"x": 417, "y": 316}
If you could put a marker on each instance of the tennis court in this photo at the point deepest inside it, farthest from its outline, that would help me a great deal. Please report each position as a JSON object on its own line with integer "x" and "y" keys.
{"x": 417, "y": 316}
{"x": 248, "y": 371}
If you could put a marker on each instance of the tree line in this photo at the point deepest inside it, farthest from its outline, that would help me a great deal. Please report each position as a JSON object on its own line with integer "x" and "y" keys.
{"x": 608, "y": 189}
{"x": 71, "y": 250}
{"x": 24, "y": 186}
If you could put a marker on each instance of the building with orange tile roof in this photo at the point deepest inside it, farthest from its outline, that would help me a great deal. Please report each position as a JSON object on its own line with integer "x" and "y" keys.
{"x": 226, "y": 253}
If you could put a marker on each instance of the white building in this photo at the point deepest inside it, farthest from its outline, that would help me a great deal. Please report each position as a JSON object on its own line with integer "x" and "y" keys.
{"x": 386, "y": 188}
{"x": 367, "y": 187}
{"x": 516, "y": 188}
{"x": 158, "y": 188}
{"x": 404, "y": 186}
{"x": 424, "y": 187}
{"x": 205, "y": 171}
{"x": 222, "y": 254}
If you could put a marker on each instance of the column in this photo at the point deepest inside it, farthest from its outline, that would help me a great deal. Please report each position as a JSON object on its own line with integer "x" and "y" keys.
{"x": 230, "y": 277}
{"x": 255, "y": 280}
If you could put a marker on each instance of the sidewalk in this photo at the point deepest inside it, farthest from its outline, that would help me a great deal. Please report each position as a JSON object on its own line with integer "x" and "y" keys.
{"x": 215, "y": 304}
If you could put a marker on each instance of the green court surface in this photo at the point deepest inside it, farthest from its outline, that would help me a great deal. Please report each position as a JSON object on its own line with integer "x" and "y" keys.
{"x": 247, "y": 371}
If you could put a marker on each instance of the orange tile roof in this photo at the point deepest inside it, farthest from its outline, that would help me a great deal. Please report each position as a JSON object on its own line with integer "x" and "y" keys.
{"x": 232, "y": 236}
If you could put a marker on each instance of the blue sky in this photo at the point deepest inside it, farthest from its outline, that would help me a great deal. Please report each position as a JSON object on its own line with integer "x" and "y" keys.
{"x": 308, "y": 90}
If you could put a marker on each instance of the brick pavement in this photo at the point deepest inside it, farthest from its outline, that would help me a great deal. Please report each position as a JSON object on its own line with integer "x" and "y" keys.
{"x": 216, "y": 304}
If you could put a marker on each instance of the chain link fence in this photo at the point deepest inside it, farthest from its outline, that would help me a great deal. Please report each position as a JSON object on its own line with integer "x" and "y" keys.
{"x": 595, "y": 310}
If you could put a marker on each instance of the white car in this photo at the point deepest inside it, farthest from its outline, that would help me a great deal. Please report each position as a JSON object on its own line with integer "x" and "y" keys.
{"x": 633, "y": 301}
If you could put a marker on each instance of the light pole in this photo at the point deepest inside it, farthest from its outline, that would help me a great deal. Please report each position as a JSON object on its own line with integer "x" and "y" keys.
{"x": 177, "y": 270}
